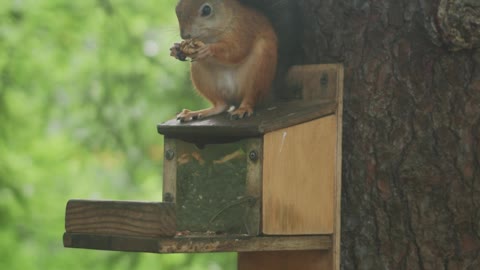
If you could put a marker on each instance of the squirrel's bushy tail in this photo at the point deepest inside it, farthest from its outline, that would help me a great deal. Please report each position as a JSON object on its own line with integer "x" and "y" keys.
{"x": 285, "y": 17}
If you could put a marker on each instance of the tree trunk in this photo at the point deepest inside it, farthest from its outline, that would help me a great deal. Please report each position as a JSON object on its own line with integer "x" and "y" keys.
{"x": 411, "y": 168}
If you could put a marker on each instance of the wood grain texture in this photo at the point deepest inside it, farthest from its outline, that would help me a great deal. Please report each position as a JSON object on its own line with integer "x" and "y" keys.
{"x": 291, "y": 260}
{"x": 298, "y": 178}
{"x": 196, "y": 244}
{"x": 120, "y": 218}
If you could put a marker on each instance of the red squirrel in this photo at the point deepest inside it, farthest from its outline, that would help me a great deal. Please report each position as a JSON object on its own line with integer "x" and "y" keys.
{"x": 234, "y": 62}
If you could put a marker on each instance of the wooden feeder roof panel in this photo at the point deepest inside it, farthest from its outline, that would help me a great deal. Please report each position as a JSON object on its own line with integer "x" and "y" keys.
{"x": 265, "y": 120}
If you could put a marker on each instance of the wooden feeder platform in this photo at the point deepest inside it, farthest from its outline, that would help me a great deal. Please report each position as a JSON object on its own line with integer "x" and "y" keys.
{"x": 267, "y": 187}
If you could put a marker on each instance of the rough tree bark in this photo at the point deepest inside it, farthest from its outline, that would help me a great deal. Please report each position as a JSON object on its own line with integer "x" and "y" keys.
{"x": 411, "y": 183}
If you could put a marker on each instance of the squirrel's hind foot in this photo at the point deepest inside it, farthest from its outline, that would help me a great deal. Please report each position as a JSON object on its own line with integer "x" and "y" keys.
{"x": 187, "y": 115}
{"x": 240, "y": 113}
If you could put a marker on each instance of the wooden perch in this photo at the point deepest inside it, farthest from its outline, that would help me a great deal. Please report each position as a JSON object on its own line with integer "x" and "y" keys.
{"x": 120, "y": 218}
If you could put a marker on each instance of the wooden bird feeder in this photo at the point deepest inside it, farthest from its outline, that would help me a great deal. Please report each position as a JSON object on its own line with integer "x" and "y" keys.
{"x": 267, "y": 187}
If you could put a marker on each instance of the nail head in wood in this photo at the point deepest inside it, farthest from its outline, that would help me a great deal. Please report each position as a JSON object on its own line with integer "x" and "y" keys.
{"x": 169, "y": 154}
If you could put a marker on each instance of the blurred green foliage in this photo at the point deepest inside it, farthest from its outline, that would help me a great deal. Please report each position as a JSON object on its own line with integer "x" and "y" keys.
{"x": 82, "y": 86}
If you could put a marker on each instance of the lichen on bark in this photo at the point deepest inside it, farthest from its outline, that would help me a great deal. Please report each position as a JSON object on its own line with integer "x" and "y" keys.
{"x": 454, "y": 23}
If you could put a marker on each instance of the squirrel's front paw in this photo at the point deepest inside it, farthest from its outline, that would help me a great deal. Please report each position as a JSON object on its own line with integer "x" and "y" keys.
{"x": 187, "y": 116}
{"x": 202, "y": 53}
{"x": 241, "y": 113}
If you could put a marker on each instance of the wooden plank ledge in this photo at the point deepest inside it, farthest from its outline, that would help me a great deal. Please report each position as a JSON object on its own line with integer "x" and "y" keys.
{"x": 120, "y": 218}
{"x": 197, "y": 244}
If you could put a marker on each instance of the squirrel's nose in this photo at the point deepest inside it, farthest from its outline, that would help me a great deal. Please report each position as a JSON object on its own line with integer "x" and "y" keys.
{"x": 185, "y": 36}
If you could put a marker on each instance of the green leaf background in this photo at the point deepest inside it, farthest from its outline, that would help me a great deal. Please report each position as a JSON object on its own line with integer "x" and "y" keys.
{"x": 82, "y": 86}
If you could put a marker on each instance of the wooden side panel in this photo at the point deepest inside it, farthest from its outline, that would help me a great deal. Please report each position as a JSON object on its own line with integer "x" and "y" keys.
{"x": 299, "y": 179}
{"x": 285, "y": 260}
{"x": 170, "y": 171}
{"x": 120, "y": 218}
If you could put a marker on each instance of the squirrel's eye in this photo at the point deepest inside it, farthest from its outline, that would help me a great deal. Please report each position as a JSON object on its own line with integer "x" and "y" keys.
{"x": 206, "y": 10}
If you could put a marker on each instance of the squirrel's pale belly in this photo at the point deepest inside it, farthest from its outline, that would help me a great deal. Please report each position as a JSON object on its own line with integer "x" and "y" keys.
{"x": 227, "y": 84}
{"x": 218, "y": 81}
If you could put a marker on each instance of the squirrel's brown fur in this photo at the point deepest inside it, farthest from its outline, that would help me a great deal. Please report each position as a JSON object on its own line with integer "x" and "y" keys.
{"x": 237, "y": 64}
